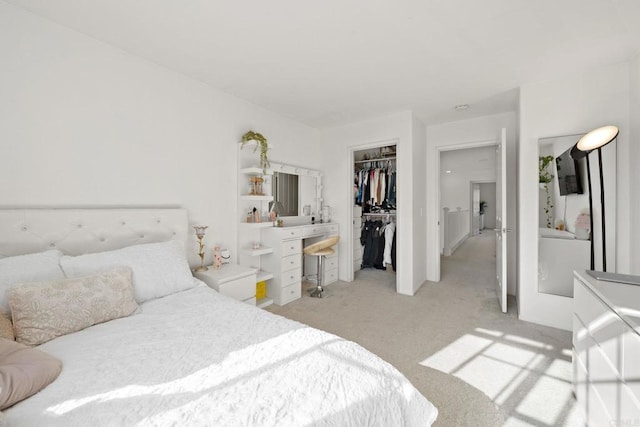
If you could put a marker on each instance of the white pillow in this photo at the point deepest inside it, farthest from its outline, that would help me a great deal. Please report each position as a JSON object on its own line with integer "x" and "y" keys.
{"x": 28, "y": 268}
{"x": 159, "y": 269}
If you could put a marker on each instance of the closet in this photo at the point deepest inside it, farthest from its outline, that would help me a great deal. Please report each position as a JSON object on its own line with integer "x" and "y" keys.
{"x": 375, "y": 199}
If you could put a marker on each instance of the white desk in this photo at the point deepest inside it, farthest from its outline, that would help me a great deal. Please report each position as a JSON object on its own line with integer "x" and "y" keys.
{"x": 285, "y": 262}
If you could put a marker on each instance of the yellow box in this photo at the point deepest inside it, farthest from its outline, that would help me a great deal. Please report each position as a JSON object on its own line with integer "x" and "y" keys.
{"x": 261, "y": 289}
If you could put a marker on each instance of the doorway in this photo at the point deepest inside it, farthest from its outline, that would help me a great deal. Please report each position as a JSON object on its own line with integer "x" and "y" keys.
{"x": 375, "y": 161}
{"x": 467, "y": 179}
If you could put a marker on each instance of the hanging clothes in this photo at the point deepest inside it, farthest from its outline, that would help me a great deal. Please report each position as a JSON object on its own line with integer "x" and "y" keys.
{"x": 389, "y": 234}
{"x": 375, "y": 184}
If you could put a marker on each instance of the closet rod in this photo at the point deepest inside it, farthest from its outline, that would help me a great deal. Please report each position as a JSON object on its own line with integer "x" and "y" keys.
{"x": 379, "y": 214}
{"x": 381, "y": 159}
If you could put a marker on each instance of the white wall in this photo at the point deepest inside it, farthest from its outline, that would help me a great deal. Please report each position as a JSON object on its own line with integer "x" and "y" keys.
{"x": 634, "y": 155}
{"x": 453, "y": 134}
{"x": 337, "y": 145}
{"x": 419, "y": 199}
{"x": 570, "y": 105}
{"x": 84, "y": 123}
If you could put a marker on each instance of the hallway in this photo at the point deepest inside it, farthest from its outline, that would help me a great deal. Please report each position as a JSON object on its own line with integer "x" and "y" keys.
{"x": 480, "y": 367}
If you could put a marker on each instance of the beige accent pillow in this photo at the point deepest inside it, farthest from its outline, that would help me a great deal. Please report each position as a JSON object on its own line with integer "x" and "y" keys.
{"x": 24, "y": 371}
{"x": 6, "y": 328}
{"x": 43, "y": 311}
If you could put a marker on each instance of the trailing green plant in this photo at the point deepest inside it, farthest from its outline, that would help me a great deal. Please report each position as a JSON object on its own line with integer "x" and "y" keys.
{"x": 543, "y": 173}
{"x": 261, "y": 142}
{"x": 545, "y": 177}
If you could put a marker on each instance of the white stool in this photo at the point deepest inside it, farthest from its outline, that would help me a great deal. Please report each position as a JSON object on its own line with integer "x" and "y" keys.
{"x": 320, "y": 250}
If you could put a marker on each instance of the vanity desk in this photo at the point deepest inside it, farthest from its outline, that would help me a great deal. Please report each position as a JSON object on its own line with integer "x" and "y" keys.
{"x": 286, "y": 260}
{"x": 606, "y": 350}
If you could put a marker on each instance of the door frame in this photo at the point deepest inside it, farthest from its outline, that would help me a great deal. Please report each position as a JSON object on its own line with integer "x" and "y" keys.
{"x": 434, "y": 245}
{"x": 352, "y": 149}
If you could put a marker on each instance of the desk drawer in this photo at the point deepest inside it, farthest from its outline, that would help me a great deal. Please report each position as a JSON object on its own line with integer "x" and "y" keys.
{"x": 331, "y": 263}
{"x": 291, "y": 277}
{"x": 291, "y": 293}
{"x": 291, "y": 262}
{"x": 314, "y": 230}
{"x": 288, "y": 233}
{"x": 330, "y": 276}
{"x": 291, "y": 247}
{"x": 332, "y": 229}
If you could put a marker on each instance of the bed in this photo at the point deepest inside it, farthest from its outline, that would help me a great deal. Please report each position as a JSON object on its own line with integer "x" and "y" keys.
{"x": 193, "y": 356}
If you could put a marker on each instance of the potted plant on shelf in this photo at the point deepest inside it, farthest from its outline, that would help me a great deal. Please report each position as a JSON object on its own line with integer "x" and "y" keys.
{"x": 261, "y": 142}
{"x": 544, "y": 179}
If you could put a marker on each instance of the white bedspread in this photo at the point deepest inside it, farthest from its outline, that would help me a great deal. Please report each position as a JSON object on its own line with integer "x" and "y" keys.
{"x": 197, "y": 358}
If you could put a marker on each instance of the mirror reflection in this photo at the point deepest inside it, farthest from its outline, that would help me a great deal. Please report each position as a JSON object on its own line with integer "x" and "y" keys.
{"x": 566, "y": 222}
{"x": 296, "y": 194}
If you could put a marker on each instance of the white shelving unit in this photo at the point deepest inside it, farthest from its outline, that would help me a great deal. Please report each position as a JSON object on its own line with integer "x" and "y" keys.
{"x": 249, "y": 232}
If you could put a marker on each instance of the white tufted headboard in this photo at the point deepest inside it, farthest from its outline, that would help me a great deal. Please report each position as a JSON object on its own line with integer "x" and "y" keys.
{"x": 79, "y": 231}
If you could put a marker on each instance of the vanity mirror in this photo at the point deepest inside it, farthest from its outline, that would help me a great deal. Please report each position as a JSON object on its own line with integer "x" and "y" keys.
{"x": 566, "y": 222}
{"x": 296, "y": 189}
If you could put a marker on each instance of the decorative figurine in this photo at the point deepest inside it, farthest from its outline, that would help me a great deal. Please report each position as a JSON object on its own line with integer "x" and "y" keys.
{"x": 217, "y": 258}
{"x": 200, "y": 229}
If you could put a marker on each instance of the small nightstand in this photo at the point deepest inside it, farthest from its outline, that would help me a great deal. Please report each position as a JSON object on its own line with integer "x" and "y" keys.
{"x": 232, "y": 280}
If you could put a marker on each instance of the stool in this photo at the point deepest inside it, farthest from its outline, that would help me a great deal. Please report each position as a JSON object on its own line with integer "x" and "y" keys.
{"x": 321, "y": 249}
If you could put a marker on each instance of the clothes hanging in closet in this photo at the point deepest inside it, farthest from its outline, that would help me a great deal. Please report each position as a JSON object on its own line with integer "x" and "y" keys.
{"x": 378, "y": 240}
{"x": 375, "y": 186}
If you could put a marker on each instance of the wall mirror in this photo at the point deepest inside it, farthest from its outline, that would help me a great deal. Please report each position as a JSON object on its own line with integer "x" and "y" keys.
{"x": 297, "y": 190}
{"x": 564, "y": 215}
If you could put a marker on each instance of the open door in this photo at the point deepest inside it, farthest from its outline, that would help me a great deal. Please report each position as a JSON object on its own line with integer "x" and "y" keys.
{"x": 501, "y": 220}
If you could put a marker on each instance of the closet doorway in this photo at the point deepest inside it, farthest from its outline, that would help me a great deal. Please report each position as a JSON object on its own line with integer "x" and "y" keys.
{"x": 374, "y": 199}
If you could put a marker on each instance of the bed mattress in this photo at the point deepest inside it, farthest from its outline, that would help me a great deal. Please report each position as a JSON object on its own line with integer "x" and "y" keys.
{"x": 199, "y": 358}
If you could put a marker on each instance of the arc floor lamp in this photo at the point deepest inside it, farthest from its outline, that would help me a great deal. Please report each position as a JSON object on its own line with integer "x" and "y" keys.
{"x": 595, "y": 140}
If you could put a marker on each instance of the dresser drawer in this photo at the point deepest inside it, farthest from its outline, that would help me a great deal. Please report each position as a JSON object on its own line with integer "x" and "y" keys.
{"x": 291, "y": 293}
{"x": 604, "y": 326}
{"x": 588, "y": 307}
{"x": 291, "y": 277}
{"x": 630, "y": 364}
{"x": 291, "y": 262}
{"x": 291, "y": 247}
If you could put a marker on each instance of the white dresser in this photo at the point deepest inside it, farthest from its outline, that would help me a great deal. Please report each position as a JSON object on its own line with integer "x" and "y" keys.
{"x": 606, "y": 351}
{"x": 285, "y": 262}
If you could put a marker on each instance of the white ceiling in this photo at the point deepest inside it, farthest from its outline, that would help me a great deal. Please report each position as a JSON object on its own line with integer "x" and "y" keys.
{"x": 333, "y": 61}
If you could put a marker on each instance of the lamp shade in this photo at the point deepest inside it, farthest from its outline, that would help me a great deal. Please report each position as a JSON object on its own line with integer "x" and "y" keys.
{"x": 597, "y": 138}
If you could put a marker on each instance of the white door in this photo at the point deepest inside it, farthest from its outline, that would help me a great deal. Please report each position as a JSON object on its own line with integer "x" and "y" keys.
{"x": 501, "y": 220}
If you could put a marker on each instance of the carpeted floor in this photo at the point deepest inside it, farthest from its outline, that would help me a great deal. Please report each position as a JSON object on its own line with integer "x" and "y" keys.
{"x": 480, "y": 367}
